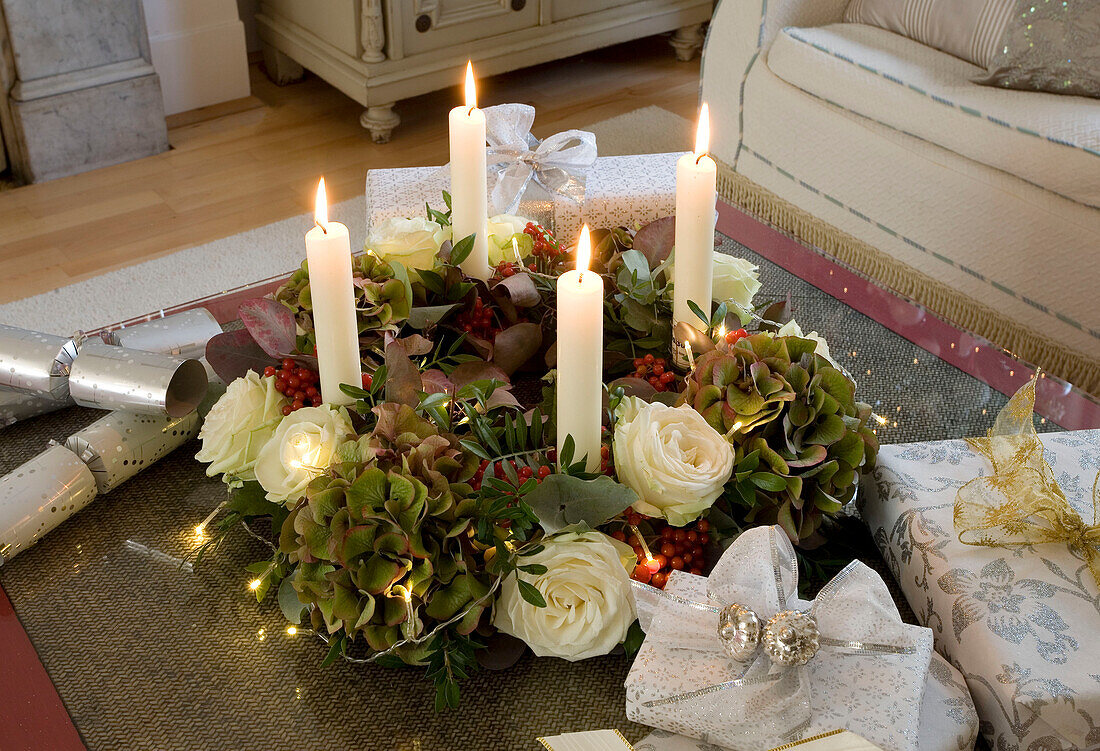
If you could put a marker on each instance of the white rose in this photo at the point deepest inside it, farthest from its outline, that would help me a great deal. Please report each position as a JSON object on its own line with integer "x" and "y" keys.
{"x": 589, "y": 607}
{"x": 304, "y": 445}
{"x": 501, "y": 229}
{"x": 412, "y": 242}
{"x": 239, "y": 425}
{"x": 734, "y": 279}
{"x": 670, "y": 457}
{"x": 791, "y": 328}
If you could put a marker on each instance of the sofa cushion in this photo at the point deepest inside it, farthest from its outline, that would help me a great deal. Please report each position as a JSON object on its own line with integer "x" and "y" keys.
{"x": 970, "y": 29}
{"x": 1050, "y": 140}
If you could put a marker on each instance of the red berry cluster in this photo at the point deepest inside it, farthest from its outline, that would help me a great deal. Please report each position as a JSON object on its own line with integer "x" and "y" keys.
{"x": 735, "y": 336}
{"x": 545, "y": 244}
{"x": 295, "y": 383}
{"x": 653, "y": 369}
{"x": 524, "y": 473}
{"x": 505, "y": 269}
{"x": 674, "y": 549}
{"x": 478, "y": 320}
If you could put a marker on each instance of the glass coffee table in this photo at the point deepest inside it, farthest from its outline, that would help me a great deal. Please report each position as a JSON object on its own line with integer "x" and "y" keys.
{"x": 111, "y": 638}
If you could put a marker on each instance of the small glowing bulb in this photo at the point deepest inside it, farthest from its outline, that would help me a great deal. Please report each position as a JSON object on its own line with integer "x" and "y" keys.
{"x": 200, "y": 531}
{"x": 254, "y": 584}
{"x": 721, "y": 331}
{"x": 291, "y": 630}
{"x": 881, "y": 420}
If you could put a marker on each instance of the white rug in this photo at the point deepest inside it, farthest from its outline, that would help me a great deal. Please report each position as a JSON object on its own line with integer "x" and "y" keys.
{"x": 267, "y": 251}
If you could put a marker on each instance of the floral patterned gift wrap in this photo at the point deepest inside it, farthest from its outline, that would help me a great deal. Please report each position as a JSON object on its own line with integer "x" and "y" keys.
{"x": 1021, "y": 622}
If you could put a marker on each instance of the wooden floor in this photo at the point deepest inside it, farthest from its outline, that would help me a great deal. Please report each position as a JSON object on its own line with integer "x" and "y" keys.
{"x": 257, "y": 161}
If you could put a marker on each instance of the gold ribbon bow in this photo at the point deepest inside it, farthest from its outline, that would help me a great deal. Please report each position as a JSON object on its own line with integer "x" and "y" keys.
{"x": 1020, "y": 503}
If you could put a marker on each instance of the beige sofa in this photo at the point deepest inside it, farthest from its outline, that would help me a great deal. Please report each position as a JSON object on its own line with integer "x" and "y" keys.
{"x": 981, "y": 203}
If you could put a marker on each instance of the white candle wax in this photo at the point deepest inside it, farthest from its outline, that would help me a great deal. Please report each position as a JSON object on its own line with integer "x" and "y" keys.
{"x": 580, "y": 359}
{"x": 696, "y": 179}
{"x": 328, "y": 252}
{"x": 469, "y": 202}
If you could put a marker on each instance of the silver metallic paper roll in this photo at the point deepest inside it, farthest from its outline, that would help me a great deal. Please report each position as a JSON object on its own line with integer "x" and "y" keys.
{"x": 108, "y": 377}
{"x": 15, "y": 406}
{"x": 182, "y": 334}
{"x": 118, "y": 446}
{"x": 39, "y": 495}
{"x": 35, "y": 363}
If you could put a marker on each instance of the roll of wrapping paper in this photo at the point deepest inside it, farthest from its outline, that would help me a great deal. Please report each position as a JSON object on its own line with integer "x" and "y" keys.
{"x": 35, "y": 363}
{"x": 108, "y": 377}
{"x": 182, "y": 334}
{"x": 118, "y": 446}
{"x": 40, "y": 494}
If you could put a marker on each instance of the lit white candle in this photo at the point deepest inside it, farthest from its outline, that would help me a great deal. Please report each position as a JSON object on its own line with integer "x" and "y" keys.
{"x": 328, "y": 251}
{"x": 696, "y": 178}
{"x": 469, "y": 203}
{"x": 580, "y": 357}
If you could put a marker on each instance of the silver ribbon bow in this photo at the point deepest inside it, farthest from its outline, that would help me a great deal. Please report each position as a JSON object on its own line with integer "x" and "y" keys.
{"x": 762, "y": 696}
{"x": 515, "y": 158}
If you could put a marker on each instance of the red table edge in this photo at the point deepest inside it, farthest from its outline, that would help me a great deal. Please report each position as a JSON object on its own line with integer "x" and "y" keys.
{"x": 1055, "y": 400}
{"x": 32, "y": 715}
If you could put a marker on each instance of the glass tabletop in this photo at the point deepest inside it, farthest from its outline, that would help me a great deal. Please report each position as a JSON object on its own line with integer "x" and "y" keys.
{"x": 149, "y": 650}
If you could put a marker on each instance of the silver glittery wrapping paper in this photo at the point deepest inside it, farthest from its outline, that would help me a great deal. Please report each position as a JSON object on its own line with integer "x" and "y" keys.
{"x": 40, "y": 494}
{"x": 35, "y": 363}
{"x": 182, "y": 334}
{"x": 118, "y": 446}
{"x": 108, "y": 377}
{"x": 15, "y": 406}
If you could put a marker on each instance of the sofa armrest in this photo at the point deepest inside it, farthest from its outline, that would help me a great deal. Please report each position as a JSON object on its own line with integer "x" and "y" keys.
{"x": 740, "y": 34}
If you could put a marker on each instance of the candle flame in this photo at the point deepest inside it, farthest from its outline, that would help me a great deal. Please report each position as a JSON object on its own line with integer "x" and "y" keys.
{"x": 471, "y": 89}
{"x": 702, "y": 132}
{"x": 320, "y": 210}
{"x": 584, "y": 250}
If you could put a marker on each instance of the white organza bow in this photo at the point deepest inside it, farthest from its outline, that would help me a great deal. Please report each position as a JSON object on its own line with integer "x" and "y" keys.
{"x": 558, "y": 164}
{"x": 760, "y": 703}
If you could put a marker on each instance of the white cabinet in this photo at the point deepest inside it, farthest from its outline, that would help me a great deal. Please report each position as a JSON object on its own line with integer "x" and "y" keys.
{"x": 381, "y": 51}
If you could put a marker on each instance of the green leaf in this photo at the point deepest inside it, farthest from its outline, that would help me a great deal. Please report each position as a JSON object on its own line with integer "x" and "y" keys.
{"x": 535, "y": 569}
{"x": 827, "y": 432}
{"x": 694, "y": 306}
{"x": 422, "y": 317}
{"x": 293, "y": 608}
{"x": 531, "y": 593}
{"x": 250, "y": 500}
{"x": 335, "y": 650}
{"x": 767, "y": 481}
{"x": 561, "y": 500}
{"x": 462, "y": 249}
{"x": 633, "y": 641}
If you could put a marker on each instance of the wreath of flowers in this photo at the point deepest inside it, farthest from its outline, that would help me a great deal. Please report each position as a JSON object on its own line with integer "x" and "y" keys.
{"x": 435, "y": 512}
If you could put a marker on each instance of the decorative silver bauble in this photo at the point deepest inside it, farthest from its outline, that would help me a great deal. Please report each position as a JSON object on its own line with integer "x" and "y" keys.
{"x": 738, "y": 631}
{"x": 791, "y": 638}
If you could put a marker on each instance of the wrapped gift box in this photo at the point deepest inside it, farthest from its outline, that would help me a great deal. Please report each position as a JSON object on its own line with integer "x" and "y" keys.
{"x": 619, "y": 190}
{"x": 1019, "y": 622}
{"x": 948, "y": 721}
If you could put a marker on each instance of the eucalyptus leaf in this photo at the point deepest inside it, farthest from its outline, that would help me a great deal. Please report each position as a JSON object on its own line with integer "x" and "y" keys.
{"x": 561, "y": 500}
{"x": 293, "y": 608}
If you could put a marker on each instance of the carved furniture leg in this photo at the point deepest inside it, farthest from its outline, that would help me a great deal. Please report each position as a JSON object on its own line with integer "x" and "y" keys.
{"x": 380, "y": 120}
{"x": 687, "y": 40}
